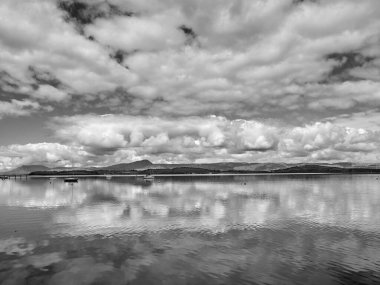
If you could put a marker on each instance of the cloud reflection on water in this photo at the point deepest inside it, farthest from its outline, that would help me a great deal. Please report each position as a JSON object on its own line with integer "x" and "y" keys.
{"x": 230, "y": 230}
{"x": 131, "y": 205}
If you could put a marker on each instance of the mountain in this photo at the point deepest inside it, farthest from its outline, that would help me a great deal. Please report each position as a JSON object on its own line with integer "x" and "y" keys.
{"x": 26, "y": 169}
{"x": 178, "y": 170}
{"x": 64, "y": 168}
{"x": 137, "y": 165}
{"x": 221, "y": 166}
{"x": 326, "y": 168}
{"x": 259, "y": 167}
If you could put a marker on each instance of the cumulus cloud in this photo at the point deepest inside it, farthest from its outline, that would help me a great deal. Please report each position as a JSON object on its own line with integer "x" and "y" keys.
{"x": 254, "y": 58}
{"x": 325, "y": 141}
{"x": 196, "y": 80}
{"x": 90, "y": 140}
{"x": 154, "y": 135}
{"x": 117, "y": 138}
{"x": 277, "y": 66}
{"x": 132, "y": 33}
{"x": 35, "y": 42}
{"x": 50, "y": 93}
{"x": 54, "y": 154}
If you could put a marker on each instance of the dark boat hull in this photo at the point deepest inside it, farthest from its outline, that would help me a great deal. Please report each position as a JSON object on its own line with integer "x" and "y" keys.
{"x": 72, "y": 180}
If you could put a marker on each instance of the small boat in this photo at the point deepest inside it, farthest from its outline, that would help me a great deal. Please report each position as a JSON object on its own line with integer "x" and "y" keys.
{"x": 108, "y": 177}
{"x": 148, "y": 177}
{"x": 70, "y": 179}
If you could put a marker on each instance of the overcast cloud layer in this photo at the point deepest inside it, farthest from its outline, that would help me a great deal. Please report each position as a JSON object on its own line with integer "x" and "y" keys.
{"x": 192, "y": 80}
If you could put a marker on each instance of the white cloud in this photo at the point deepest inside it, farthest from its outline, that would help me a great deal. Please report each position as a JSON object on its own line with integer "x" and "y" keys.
{"x": 250, "y": 56}
{"x": 50, "y": 93}
{"x": 166, "y": 66}
{"x": 54, "y": 154}
{"x": 132, "y": 33}
{"x": 256, "y": 136}
{"x": 326, "y": 141}
{"x": 18, "y": 108}
{"x": 108, "y": 139}
{"x": 34, "y": 34}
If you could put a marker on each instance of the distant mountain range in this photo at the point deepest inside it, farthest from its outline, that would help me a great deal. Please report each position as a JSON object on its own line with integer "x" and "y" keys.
{"x": 145, "y": 167}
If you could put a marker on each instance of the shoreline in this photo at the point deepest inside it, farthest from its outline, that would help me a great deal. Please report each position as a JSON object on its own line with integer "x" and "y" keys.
{"x": 195, "y": 175}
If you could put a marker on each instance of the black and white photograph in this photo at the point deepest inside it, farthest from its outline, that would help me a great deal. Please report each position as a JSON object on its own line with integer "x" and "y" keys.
{"x": 190, "y": 142}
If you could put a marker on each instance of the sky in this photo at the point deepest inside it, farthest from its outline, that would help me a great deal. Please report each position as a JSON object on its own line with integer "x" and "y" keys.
{"x": 100, "y": 82}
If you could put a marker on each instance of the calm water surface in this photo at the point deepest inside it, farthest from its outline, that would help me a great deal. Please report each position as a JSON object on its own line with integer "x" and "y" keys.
{"x": 300, "y": 229}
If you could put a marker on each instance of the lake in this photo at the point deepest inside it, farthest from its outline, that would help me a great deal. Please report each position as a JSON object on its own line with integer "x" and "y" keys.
{"x": 264, "y": 229}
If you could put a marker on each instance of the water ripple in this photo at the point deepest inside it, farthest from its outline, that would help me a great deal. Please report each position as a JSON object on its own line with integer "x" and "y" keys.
{"x": 276, "y": 230}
